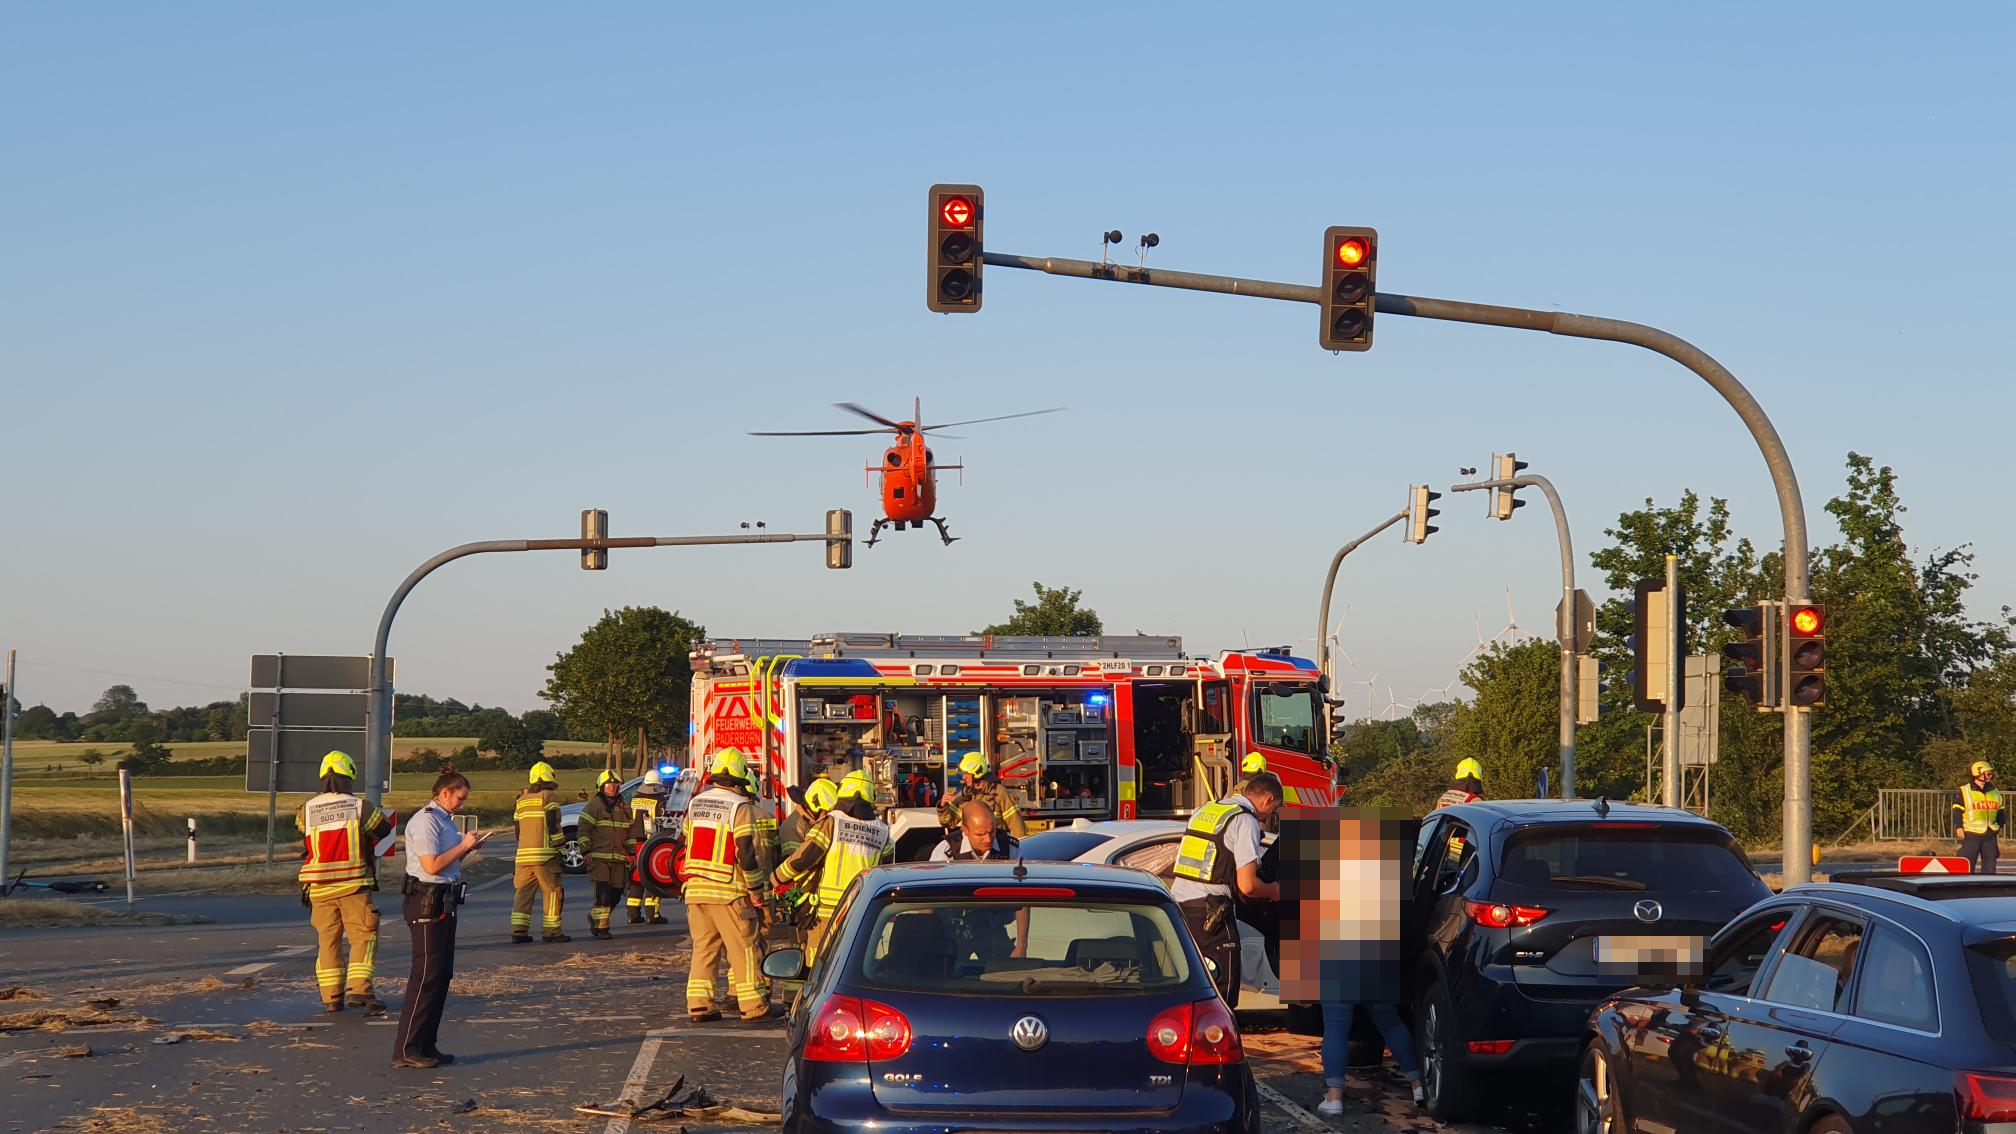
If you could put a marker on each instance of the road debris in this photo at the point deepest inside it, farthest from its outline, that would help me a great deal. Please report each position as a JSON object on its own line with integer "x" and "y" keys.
{"x": 698, "y": 1102}
{"x": 64, "y": 1019}
{"x": 194, "y": 1034}
{"x": 466, "y": 1106}
{"x": 75, "y": 1051}
{"x": 18, "y": 993}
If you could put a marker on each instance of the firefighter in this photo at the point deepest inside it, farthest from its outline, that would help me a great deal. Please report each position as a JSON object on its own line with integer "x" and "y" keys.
{"x": 724, "y": 892}
{"x": 801, "y": 896}
{"x": 1253, "y": 764}
{"x": 1221, "y": 849}
{"x": 647, "y": 807}
{"x": 1979, "y": 819}
{"x": 604, "y": 831}
{"x": 338, "y": 878}
{"x": 538, "y": 860}
{"x": 1465, "y": 786}
{"x": 846, "y": 841}
{"x": 984, "y": 786}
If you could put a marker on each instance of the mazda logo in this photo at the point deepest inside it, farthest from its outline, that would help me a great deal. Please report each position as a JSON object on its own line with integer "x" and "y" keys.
{"x": 1647, "y": 910}
{"x": 1029, "y": 1033}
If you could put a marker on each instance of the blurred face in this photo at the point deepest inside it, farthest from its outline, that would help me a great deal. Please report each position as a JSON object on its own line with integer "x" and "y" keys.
{"x": 1264, "y": 807}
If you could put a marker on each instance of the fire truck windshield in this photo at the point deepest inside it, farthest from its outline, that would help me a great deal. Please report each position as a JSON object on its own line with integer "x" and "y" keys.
{"x": 1284, "y": 716}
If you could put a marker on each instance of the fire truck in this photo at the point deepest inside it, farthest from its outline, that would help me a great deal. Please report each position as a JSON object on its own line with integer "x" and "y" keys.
{"x": 1114, "y": 727}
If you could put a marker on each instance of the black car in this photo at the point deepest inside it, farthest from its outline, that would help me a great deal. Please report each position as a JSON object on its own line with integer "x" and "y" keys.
{"x": 1886, "y": 1004}
{"x": 1531, "y": 912}
{"x": 987, "y": 996}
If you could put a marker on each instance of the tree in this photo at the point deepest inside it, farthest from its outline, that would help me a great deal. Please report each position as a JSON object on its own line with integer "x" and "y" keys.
{"x": 1055, "y": 613}
{"x": 149, "y": 755}
{"x": 119, "y": 702}
{"x": 1513, "y": 725}
{"x": 515, "y": 745}
{"x": 92, "y": 757}
{"x": 631, "y": 672}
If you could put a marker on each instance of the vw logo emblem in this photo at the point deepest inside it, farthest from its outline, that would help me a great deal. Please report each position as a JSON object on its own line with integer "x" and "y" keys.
{"x": 1647, "y": 910}
{"x": 1029, "y": 1033}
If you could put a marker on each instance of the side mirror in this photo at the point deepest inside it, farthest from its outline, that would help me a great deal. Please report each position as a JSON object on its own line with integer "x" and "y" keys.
{"x": 785, "y": 964}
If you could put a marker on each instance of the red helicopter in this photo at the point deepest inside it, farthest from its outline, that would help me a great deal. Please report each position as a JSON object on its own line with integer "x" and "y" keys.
{"x": 909, "y": 470}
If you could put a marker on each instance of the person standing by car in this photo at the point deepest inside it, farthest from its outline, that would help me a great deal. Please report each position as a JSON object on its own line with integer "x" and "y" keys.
{"x": 337, "y": 880}
{"x": 982, "y": 784}
{"x": 605, "y": 824}
{"x": 1221, "y": 849}
{"x": 984, "y": 932}
{"x": 841, "y": 846}
{"x": 646, "y": 807}
{"x": 434, "y": 853}
{"x": 1466, "y": 786}
{"x": 537, "y": 876}
{"x": 1978, "y": 815}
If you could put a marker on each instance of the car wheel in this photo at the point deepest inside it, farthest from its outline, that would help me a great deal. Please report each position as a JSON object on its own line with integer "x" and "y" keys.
{"x": 1599, "y": 1108}
{"x": 573, "y": 856}
{"x": 1451, "y": 1087}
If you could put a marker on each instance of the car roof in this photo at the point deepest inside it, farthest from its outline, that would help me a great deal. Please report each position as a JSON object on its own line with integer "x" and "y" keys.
{"x": 1987, "y": 903}
{"x": 1531, "y": 812}
{"x": 1121, "y": 828}
{"x": 883, "y": 879}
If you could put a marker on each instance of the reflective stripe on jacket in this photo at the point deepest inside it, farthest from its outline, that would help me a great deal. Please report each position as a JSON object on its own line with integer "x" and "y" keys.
{"x": 840, "y": 847}
{"x": 1201, "y": 856}
{"x": 539, "y": 834}
{"x": 1980, "y": 811}
{"x": 604, "y": 831}
{"x": 721, "y": 862}
{"x": 338, "y": 830}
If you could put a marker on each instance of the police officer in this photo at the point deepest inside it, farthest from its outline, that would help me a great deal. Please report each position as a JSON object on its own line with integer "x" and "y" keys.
{"x": 724, "y": 892}
{"x": 1978, "y": 819}
{"x": 984, "y": 786}
{"x": 604, "y": 831}
{"x": 537, "y": 873}
{"x": 646, "y": 808}
{"x": 434, "y": 853}
{"x": 1465, "y": 786}
{"x": 841, "y": 845}
{"x": 983, "y": 932}
{"x": 338, "y": 877}
{"x": 1221, "y": 849}
{"x": 977, "y": 837}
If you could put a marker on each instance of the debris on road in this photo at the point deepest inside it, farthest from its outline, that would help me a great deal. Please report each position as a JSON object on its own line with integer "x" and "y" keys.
{"x": 75, "y": 1051}
{"x": 64, "y": 1019}
{"x": 18, "y": 993}
{"x": 466, "y": 1106}
{"x": 699, "y": 1102}
{"x": 194, "y": 1034}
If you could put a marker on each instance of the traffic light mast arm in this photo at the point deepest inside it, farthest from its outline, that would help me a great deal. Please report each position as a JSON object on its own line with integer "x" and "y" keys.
{"x": 1798, "y": 827}
{"x": 1330, "y": 582}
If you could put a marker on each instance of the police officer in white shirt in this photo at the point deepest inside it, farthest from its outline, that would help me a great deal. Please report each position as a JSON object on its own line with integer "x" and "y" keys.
{"x": 434, "y": 852}
{"x": 1220, "y": 850}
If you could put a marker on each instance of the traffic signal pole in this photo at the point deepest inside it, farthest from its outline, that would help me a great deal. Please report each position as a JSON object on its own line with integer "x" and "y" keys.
{"x": 1564, "y": 620}
{"x": 378, "y": 713}
{"x": 1330, "y": 582}
{"x": 1798, "y": 819}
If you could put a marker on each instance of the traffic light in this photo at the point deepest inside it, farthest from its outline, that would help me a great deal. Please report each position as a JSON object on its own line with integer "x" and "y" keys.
{"x": 952, "y": 258}
{"x": 1419, "y": 513}
{"x": 839, "y": 551}
{"x": 1505, "y": 466}
{"x": 1750, "y": 666}
{"x": 1653, "y": 613}
{"x": 1805, "y": 655}
{"x": 1350, "y": 268}
{"x": 594, "y": 525}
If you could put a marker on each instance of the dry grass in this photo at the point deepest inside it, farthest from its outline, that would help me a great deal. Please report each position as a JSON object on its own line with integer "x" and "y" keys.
{"x": 257, "y": 879}
{"x": 124, "y": 1120}
{"x": 64, "y": 1019}
{"x": 39, "y": 913}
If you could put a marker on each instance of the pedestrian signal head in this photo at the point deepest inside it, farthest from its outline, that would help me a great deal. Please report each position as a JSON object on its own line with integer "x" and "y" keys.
{"x": 857, "y": 785}
{"x": 606, "y": 778}
{"x": 973, "y": 764}
{"x": 542, "y": 773}
{"x": 1470, "y": 769}
{"x": 729, "y": 762}
{"x": 339, "y": 764}
{"x": 1982, "y": 768}
{"x": 821, "y": 796}
{"x": 1253, "y": 764}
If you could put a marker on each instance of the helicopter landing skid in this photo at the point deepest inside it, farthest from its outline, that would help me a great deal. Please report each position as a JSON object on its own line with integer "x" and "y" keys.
{"x": 875, "y": 529}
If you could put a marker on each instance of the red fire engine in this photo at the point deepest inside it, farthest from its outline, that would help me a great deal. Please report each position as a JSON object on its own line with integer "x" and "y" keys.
{"x": 1117, "y": 727}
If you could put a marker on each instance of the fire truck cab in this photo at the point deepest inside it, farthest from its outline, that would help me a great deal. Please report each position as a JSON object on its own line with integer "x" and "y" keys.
{"x": 1114, "y": 727}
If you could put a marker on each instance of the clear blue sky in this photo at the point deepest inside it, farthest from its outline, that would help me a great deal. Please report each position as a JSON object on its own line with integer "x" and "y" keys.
{"x": 292, "y": 297}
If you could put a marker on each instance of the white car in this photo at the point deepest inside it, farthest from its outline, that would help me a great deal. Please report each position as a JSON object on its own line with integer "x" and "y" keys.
{"x": 574, "y": 857}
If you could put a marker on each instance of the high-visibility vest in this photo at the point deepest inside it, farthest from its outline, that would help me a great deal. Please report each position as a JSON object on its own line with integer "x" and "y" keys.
{"x": 336, "y": 858}
{"x": 1980, "y": 810}
{"x": 538, "y": 840}
{"x": 718, "y": 822}
{"x": 857, "y": 845}
{"x": 1454, "y": 796}
{"x": 644, "y": 812}
{"x": 1201, "y": 856}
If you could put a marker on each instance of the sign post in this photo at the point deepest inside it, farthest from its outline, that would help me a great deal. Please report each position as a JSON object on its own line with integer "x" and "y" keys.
{"x": 126, "y": 827}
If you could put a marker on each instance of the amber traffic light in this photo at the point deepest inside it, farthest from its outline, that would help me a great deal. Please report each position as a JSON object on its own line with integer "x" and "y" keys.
{"x": 1350, "y": 270}
{"x": 1805, "y": 655}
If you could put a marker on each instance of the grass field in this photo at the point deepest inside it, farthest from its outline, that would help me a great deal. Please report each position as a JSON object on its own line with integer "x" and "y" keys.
{"x": 34, "y": 758}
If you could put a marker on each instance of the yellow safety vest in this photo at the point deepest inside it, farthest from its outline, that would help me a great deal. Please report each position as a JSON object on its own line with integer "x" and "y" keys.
{"x": 337, "y": 861}
{"x": 718, "y": 823}
{"x": 1201, "y": 856}
{"x": 538, "y": 838}
{"x": 1454, "y": 796}
{"x": 857, "y": 845}
{"x": 1982, "y": 810}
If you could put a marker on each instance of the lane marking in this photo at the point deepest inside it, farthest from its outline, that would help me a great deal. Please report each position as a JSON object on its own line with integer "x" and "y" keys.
{"x": 505, "y": 1020}
{"x": 1294, "y": 1110}
{"x": 294, "y": 950}
{"x": 381, "y": 1023}
{"x": 633, "y": 1087}
{"x": 248, "y": 970}
{"x": 623, "y": 1017}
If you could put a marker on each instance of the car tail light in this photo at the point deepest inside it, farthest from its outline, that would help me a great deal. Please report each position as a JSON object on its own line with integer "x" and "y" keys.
{"x": 1196, "y": 1034}
{"x": 846, "y": 1029}
{"x": 1985, "y": 1098}
{"x": 1025, "y": 892}
{"x": 888, "y": 1031}
{"x": 1169, "y": 1034}
{"x": 1489, "y": 1047}
{"x": 1498, "y": 916}
{"x": 1621, "y": 826}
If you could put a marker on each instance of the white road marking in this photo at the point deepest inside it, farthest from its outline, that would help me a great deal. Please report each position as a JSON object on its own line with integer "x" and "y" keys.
{"x": 504, "y": 1020}
{"x": 381, "y": 1023}
{"x": 294, "y": 950}
{"x": 633, "y": 1087}
{"x": 248, "y": 970}
{"x": 626, "y": 1017}
{"x": 1294, "y": 1110}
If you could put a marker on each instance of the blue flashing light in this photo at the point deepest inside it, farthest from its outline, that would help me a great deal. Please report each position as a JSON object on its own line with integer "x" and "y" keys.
{"x": 668, "y": 769}
{"x": 692, "y": 728}
{"x": 1097, "y": 699}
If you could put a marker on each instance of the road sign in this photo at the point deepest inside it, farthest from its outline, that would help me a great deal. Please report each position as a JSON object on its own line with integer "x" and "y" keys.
{"x": 1583, "y": 626}
{"x": 308, "y": 710}
{"x": 391, "y": 839}
{"x": 1933, "y": 864}
{"x": 301, "y": 753}
{"x": 1701, "y": 710}
{"x": 312, "y": 671}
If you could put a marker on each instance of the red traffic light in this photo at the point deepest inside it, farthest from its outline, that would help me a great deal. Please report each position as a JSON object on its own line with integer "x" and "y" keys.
{"x": 956, "y": 212}
{"x": 1351, "y": 251}
{"x": 1807, "y": 621}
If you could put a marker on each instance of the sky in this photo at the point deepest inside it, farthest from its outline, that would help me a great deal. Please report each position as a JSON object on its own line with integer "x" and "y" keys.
{"x": 294, "y": 296}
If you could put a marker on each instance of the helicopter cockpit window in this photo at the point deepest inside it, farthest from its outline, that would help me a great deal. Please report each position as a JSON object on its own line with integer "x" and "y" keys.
{"x": 928, "y": 458}
{"x": 895, "y": 459}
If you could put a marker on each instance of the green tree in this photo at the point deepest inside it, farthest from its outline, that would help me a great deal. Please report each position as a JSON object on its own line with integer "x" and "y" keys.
{"x": 515, "y": 745}
{"x": 119, "y": 702}
{"x": 149, "y": 756}
{"x": 1512, "y": 727}
{"x": 630, "y": 673}
{"x": 1055, "y": 613}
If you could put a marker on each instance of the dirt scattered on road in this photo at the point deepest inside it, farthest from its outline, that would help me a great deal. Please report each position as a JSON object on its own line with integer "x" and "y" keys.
{"x": 123, "y": 1120}
{"x": 67, "y": 1019}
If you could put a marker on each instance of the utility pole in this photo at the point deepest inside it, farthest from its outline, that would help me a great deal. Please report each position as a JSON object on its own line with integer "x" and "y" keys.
{"x": 1669, "y": 768}
{"x": 7, "y": 771}
{"x": 1564, "y": 618}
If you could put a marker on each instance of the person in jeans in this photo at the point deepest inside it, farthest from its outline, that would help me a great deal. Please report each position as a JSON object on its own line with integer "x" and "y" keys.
{"x": 1338, "y": 1018}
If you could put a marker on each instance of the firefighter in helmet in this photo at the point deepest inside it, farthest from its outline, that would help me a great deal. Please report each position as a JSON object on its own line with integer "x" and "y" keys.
{"x": 1977, "y": 818}
{"x": 801, "y": 895}
{"x": 844, "y": 842}
{"x": 647, "y": 807}
{"x": 1465, "y": 786}
{"x": 604, "y": 831}
{"x": 338, "y": 877}
{"x": 1253, "y": 764}
{"x": 982, "y": 786}
{"x": 537, "y": 863}
{"x": 723, "y": 889}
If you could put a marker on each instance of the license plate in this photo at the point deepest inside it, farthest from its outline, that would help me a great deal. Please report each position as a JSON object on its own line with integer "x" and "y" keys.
{"x": 1638, "y": 951}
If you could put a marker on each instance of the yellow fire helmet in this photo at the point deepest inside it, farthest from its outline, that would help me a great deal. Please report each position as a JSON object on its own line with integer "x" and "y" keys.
{"x": 1980, "y": 768}
{"x": 541, "y": 773}
{"x": 973, "y": 764}
{"x": 340, "y": 763}
{"x": 1470, "y": 768}
{"x": 857, "y": 785}
{"x": 821, "y": 796}
{"x": 1253, "y": 764}
{"x": 606, "y": 777}
{"x": 729, "y": 762}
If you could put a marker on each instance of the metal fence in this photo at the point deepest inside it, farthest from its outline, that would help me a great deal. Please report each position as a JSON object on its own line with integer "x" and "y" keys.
{"x": 1914, "y": 813}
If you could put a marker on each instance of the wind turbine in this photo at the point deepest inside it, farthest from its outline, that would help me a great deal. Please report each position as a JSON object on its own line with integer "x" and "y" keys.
{"x": 1512, "y": 630}
{"x": 1393, "y": 703}
{"x": 1368, "y": 694}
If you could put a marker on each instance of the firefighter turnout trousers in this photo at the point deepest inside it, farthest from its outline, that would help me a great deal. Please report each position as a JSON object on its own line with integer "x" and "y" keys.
{"x": 732, "y": 928}
{"x": 353, "y": 916}
{"x": 537, "y": 880}
{"x": 640, "y": 904}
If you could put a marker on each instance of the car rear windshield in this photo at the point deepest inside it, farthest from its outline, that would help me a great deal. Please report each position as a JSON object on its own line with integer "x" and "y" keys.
{"x": 1048, "y": 948}
{"x": 1625, "y": 857}
{"x": 1059, "y": 846}
{"x": 1992, "y": 967}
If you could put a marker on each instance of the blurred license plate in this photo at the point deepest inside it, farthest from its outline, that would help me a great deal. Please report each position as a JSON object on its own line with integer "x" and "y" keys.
{"x": 1648, "y": 950}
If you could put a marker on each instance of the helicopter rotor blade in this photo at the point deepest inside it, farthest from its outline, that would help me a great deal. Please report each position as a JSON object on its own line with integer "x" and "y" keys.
{"x": 1003, "y": 417}
{"x": 871, "y": 415}
{"x": 816, "y": 432}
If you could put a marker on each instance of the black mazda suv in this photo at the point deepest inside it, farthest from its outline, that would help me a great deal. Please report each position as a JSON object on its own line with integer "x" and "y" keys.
{"x": 1533, "y": 911}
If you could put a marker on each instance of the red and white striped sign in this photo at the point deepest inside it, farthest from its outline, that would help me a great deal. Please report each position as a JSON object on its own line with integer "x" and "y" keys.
{"x": 391, "y": 838}
{"x": 1932, "y": 864}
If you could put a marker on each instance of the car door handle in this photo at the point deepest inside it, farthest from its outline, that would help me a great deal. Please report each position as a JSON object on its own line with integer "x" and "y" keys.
{"x": 1799, "y": 1053}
